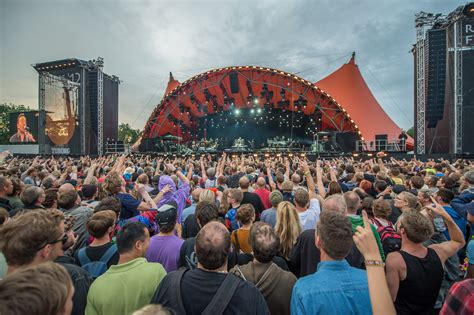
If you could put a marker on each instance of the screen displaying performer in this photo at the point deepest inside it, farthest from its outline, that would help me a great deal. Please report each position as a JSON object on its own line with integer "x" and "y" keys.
{"x": 23, "y": 127}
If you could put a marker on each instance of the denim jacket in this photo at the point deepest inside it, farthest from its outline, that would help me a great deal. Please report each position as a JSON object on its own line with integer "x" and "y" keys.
{"x": 335, "y": 288}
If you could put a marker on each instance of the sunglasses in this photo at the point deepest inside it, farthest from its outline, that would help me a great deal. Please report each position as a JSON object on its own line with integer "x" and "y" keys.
{"x": 63, "y": 241}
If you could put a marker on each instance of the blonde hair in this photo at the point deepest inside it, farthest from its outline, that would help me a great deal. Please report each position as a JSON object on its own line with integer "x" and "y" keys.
{"x": 152, "y": 309}
{"x": 224, "y": 205}
{"x": 142, "y": 179}
{"x": 207, "y": 195}
{"x": 287, "y": 227}
{"x": 113, "y": 183}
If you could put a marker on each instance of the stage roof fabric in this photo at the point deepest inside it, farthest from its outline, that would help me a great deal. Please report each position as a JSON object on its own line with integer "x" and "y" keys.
{"x": 349, "y": 88}
{"x": 342, "y": 100}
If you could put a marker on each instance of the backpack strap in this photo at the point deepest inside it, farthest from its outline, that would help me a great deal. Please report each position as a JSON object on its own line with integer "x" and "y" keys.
{"x": 223, "y": 295}
{"x": 237, "y": 244}
{"x": 83, "y": 258}
{"x": 176, "y": 285}
{"x": 269, "y": 270}
{"x": 108, "y": 254}
{"x": 376, "y": 222}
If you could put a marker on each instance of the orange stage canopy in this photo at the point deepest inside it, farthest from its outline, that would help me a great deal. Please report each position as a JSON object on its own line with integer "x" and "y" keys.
{"x": 347, "y": 86}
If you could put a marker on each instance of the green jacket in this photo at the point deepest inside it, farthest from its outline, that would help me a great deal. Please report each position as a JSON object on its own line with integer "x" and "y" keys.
{"x": 359, "y": 221}
{"x": 124, "y": 288}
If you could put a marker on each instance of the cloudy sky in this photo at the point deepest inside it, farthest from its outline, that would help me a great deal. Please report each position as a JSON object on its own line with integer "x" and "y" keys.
{"x": 142, "y": 41}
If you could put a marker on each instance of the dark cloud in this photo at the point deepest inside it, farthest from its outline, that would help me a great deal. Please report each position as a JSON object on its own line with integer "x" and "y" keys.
{"x": 142, "y": 41}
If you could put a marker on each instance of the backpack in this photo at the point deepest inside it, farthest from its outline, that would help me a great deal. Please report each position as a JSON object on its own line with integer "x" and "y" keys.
{"x": 219, "y": 302}
{"x": 99, "y": 267}
{"x": 391, "y": 240}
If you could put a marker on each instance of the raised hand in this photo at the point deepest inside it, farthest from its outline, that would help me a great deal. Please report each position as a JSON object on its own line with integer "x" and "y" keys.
{"x": 166, "y": 188}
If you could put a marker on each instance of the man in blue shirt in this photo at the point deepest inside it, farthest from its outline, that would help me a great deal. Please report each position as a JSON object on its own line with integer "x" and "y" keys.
{"x": 336, "y": 287}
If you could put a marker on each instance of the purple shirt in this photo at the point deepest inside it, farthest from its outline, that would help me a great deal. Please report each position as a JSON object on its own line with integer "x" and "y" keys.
{"x": 165, "y": 250}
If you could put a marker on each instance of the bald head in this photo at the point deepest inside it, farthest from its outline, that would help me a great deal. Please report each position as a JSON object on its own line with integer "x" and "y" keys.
{"x": 212, "y": 246}
{"x": 352, "y": 201}
{"x": 335, "y": 203}
{"x": 196, "y": 193}
{"x": 244, "y": 182}
{"x": 261, "y": 182}
{"x": 296, "y": 178}
{"x": 66, "y": 187}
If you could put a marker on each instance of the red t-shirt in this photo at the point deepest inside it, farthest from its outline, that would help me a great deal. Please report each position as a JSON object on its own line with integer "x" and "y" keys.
{"x": 264, "y": 195}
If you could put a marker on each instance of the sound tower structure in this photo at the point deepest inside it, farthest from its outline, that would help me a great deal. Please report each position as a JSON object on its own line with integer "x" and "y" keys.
{"x": 94, "y": 113}
{"x": 444, "y": 82}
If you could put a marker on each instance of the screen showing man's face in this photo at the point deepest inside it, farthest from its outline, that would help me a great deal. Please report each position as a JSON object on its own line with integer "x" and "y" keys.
{"x": 21, "y": 124}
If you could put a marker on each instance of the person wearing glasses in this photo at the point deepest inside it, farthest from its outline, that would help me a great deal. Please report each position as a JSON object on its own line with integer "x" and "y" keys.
{"x": 34, "y": 237}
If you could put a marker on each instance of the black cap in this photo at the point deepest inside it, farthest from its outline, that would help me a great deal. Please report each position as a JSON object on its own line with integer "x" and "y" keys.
{"x": 167, "y": 215}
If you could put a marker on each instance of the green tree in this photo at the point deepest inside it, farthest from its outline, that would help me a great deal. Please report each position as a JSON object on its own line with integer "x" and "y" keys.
{"x": 127, "y": 134}
{"x": 411, "y": 132}
{"x": 5, "y": 110}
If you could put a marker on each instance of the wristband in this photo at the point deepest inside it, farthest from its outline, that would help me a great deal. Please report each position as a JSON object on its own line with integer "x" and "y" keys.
{"x": 374, "y": 263}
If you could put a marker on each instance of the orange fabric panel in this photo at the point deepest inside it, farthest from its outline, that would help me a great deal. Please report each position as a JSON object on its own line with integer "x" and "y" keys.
{"x": 172, "y": 84}
{"x": 347, "y": 86}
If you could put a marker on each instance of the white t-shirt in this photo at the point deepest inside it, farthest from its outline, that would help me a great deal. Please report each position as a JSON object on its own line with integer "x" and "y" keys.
{"x": 310, "y": 217}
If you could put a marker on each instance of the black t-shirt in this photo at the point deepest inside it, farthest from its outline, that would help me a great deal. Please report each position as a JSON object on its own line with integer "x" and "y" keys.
{"x": 96, "y": 252}
{"x": 188, "y": 258}
{"x": 255, "y": 201}
{"x": 198, "y": 287}
{"x": 305, "y": 256}
{"x": 190, "y": 227}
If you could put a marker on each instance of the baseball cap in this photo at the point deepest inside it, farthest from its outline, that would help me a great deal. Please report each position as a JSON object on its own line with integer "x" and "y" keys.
{"x": 276, "y": 197}
{"x": 166, "y": 215}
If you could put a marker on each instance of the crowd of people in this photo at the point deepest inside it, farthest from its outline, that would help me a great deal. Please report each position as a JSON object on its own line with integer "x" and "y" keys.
{"x": 225, "y": 234}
